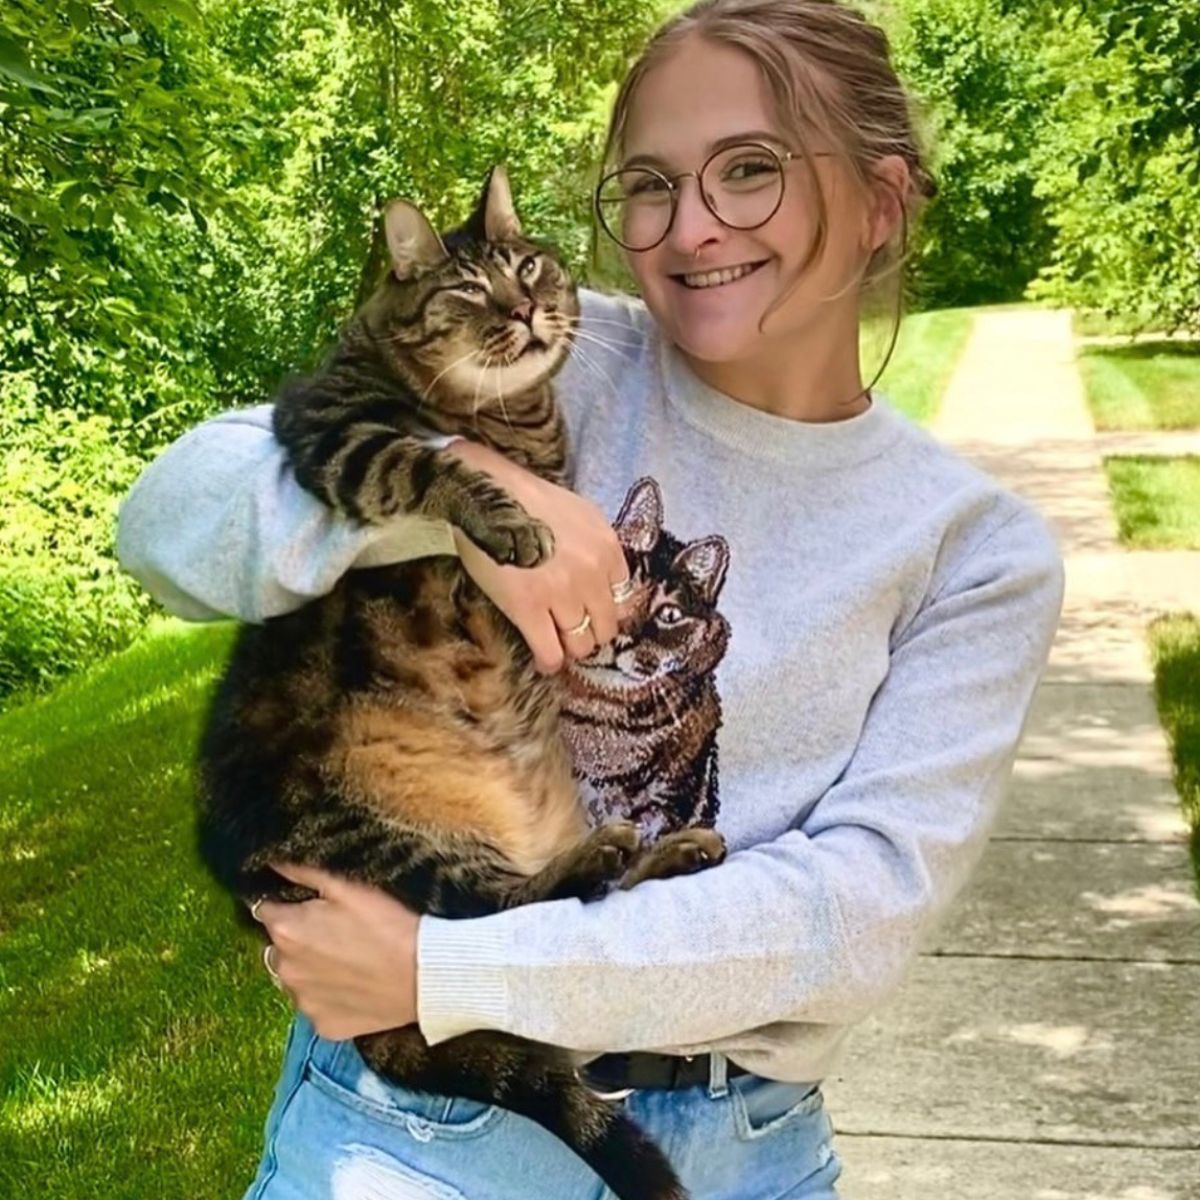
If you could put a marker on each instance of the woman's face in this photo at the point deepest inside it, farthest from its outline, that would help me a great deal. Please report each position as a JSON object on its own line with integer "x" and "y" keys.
{"x": 702, "y": 94}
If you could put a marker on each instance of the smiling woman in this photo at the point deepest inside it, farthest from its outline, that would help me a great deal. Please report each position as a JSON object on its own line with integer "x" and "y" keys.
{"x": 830, "y": 632}
{"x": 731, "y": 232}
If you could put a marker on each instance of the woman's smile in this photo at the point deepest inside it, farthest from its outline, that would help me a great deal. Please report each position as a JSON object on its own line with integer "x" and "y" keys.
{"x": 718, "y": 278}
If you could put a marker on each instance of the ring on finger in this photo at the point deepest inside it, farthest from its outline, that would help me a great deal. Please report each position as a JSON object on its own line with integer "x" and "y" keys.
{"x": 582, "y": 627}
{"x": 622, "y": 591}
{"x": 269, "y": 962}
{"x": 255, "y": 907}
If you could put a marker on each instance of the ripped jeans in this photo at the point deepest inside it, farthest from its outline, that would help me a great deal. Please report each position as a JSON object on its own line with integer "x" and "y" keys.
{"x": 337, "y": 1131}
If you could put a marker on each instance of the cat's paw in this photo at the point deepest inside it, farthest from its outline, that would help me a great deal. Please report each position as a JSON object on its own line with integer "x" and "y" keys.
{"x": 509, "y": 536}
{"x": 681, "y": 853}
{"x": 604, "y": 858}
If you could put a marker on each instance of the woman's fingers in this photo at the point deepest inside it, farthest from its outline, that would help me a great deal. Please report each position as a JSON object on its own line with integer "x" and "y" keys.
{"x": 575, "y": 630}
{"x": 541, "y": 636}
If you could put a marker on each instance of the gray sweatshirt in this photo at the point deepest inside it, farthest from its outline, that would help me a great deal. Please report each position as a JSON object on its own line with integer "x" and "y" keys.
{"x": 881, "y": 613}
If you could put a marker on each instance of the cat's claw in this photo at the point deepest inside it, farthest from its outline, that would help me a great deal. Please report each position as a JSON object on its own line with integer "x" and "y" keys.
{"x": 605, "y": 856}
{"x": 511, "y": 538}
{"x": 681, "y": 853}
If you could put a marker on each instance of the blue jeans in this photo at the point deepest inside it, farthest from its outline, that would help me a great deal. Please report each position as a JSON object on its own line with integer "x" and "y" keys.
{"x": 337, "y": 1131}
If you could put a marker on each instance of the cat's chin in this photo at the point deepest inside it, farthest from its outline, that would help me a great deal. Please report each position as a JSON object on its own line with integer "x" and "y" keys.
{"x": 531, "y": 368}
{"x": 610, "y": 676}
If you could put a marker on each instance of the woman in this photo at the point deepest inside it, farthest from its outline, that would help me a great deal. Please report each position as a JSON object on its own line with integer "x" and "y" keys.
{"x": 884, "y": 612}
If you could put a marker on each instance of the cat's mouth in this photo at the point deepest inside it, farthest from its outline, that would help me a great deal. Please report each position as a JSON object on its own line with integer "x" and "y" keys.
{"x": 615, "y": 672}
{"x": 532, "y": 348}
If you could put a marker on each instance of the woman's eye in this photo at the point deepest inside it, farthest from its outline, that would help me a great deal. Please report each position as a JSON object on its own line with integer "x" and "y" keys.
{"x": 526, "y": 267}
{"x": 669, "y": 614}
{"x": 647, "y": 186}
{"x": 748, "y": 168}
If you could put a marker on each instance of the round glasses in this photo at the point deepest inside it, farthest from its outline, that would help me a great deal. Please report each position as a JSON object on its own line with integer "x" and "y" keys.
{"x": 741, "y": 185}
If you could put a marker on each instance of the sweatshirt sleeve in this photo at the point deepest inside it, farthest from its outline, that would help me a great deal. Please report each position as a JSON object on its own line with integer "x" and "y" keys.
{"x": 821, "y": 923}
{"x": 217, "y": 526}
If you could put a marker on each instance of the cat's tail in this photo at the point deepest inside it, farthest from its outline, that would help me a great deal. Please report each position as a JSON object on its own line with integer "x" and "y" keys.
{"x": 608, "y": 1140}
{"x": 538, "y": 1082}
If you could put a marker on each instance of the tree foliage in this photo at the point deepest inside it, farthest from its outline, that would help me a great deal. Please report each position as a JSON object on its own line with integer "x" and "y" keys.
{"x": 970, "y": 68}
{"x": 1067, "y": 145}
{"x": 1117, "y": 161}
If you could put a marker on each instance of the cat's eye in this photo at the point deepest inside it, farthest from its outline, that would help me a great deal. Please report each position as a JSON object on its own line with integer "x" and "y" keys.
{"x": 471, "y": 289}
{"x": 669, "y": 614}
{"x": 526, "y": 267}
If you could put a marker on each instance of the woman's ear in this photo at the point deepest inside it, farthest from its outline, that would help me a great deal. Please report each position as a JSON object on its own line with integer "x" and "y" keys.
{"x": 890, "y": 185}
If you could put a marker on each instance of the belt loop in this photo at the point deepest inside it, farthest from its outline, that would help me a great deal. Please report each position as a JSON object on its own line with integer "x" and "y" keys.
{"x": 718, "y": 1086}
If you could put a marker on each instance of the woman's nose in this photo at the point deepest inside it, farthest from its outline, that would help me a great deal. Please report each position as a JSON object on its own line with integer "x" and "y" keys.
{"x": 694, "y": 223}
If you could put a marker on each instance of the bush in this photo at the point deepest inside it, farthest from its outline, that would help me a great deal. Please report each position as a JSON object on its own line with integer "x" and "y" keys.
{"x": 63, "y": 601}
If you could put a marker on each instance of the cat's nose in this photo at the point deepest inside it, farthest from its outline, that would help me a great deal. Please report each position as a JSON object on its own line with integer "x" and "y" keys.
{"x": 523, "y": 312}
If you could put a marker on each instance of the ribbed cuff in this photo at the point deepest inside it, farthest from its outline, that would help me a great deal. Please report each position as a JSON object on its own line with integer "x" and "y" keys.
{"x": 406, "y": 538}
{"x": 460, "y": 978}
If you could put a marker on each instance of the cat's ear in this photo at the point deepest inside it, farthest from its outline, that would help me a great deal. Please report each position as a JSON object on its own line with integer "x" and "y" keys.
{"x": 704, "y": 563}
{"x": 494, "y": 218}
{"x": 412, "y": 242}
{"x": 639, "y": 523}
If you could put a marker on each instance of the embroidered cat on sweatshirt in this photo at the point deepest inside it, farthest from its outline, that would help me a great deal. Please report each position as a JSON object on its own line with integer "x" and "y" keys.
{"x": 641, "y": 714}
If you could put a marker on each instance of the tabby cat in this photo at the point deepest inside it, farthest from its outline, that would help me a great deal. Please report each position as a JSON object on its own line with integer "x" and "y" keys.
{"x": 396, "y": 731}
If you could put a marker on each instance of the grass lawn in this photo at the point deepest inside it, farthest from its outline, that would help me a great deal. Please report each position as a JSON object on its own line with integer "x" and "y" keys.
{"x": 1175, "y": 648}
{"x": 141, "y": 1037}
{"x": 1157, "y": 500}
{"x": 1149, "y": 385}
{"x": 927, "y": 349}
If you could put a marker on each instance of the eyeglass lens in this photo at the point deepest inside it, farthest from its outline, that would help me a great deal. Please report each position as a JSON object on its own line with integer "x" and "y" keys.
{"x": 742, "y": 186}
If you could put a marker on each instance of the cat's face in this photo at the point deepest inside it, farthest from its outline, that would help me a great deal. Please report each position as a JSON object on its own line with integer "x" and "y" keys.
{"x": 671, "y": 629}
{"x": 477, "y": 317}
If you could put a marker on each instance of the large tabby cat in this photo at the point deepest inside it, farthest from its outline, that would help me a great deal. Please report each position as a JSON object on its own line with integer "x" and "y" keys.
{"x": 395, "y": 731}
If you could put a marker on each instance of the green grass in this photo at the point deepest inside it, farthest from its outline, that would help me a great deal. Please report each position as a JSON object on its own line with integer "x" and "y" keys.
{"x": 1175, "y": 648}
{"x": 1157, "y": 500}
{"x": 927, "y": 351}
{"x": 1150, "y": 385}
{"x": 140, "y": 1037}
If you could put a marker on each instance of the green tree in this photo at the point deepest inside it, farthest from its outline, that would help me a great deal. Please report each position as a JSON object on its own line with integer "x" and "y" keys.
{"x": 1118, "y": 160}
{"x": 972, "y": 68}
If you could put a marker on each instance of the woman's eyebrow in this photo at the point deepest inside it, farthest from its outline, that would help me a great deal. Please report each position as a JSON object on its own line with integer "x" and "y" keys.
{"x": 752, "y": 135}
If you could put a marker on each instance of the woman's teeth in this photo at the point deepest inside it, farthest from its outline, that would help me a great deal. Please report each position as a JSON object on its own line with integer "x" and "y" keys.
{"x": 714, "y": 278}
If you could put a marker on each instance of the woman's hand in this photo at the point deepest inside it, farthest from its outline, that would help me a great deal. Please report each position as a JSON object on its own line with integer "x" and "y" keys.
{"x": 545, "y": 602}
{"x": 348, "y": 958}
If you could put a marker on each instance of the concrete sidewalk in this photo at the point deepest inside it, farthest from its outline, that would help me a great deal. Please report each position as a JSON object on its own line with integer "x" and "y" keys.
{"x": 1047, "y": 1046}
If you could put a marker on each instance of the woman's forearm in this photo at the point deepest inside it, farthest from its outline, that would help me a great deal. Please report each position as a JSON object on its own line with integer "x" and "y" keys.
{"x": 217, "y": 526}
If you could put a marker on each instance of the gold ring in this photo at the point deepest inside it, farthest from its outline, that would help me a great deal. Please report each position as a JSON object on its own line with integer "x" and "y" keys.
{"x": 270, "y": 965}
{"x": 622, "y": 591}
{"x": 582, "y": 627}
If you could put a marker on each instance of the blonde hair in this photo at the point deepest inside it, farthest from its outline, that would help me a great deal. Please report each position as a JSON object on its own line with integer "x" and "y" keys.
{"x": 830, "y": 74}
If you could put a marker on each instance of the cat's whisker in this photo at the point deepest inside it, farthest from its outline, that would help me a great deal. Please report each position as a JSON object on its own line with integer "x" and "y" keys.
{"x": 487, "y": 362}
{"x": 578, "y": 328}
{"x": 586, "y": 336}
{"x": 616, "y": 341}
{"x": 455, "y": 363}
{"x": 592, "y": 320}
{"x": 609, "y": 349}
{"x": 589, "y": 364}
{"x": 503, "y": 408}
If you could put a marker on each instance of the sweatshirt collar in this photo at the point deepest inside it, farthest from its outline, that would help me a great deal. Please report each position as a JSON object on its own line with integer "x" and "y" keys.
{"x": 818, "y": 446}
